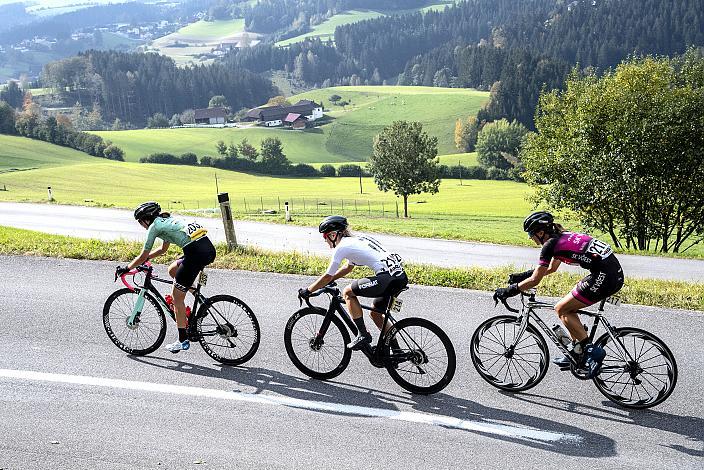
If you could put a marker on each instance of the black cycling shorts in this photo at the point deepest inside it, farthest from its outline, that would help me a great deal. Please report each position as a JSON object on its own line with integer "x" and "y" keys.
{"x": 601, "y": 283}
{"x": 382, "y": 287}
{"x": 196, "y": 256}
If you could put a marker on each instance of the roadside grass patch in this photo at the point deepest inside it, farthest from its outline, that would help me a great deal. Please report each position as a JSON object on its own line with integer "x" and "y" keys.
{"x": 656, "y": 293}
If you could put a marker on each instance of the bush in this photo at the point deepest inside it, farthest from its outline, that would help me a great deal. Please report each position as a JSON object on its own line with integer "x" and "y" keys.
{"x": 475, "y": 172}
{"x": 157, "y": 121}
{"x": 189, "y": 158}
{"x": 206, "y": 160}
{"x": 327, "y": 170}
{"x": 303, "y": 169}
{"x": 164, "y": 158}
{"x": 348, "y": 170}
{"x": 494, "y": 173}
{"x": 113, "y": 152}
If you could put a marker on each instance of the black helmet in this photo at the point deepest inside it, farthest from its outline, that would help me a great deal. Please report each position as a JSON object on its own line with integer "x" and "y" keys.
{"x": 147, "y": 210}
{"x": 538, "y": 221}
{"x": 333, "y": 223}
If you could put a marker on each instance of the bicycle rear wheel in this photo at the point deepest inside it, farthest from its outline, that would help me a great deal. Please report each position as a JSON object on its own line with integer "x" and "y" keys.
{"x": 228, "y": 330}
{"x": 505, "y": 360}
{"x": 147, "y": 332}
{"x": 425, "y": 361}
{"x": 644, "y": 379}
{"x": 321, "y": 356}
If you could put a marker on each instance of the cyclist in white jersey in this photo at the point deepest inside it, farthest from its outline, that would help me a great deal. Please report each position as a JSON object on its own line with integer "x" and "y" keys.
{"x": 389, "y": 279}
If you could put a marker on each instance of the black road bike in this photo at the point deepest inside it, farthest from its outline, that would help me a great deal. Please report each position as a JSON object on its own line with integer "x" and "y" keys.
{"x": 509, "y": 352}
{"x": 134, "y": 319}
{"x": 421, "y": 360}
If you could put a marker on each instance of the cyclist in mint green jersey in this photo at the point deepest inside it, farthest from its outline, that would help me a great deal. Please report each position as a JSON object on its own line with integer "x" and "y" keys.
{"x": 198, "y": 252}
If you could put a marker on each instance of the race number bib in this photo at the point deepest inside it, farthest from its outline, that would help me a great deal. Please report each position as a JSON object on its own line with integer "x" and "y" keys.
{"x": 394, "y": 264}
{"x": 597, "y": 247}
{"x": 195, "y": 231}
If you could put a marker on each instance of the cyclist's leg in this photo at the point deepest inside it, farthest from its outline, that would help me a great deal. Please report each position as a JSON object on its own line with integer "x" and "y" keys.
{"x": 566, "y": 310}
{"x": 381, "y": 303}
{"x": 174, "y": 266}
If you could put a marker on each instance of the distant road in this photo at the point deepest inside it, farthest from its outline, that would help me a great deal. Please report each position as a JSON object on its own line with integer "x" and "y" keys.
{"x": 111, "y": 224}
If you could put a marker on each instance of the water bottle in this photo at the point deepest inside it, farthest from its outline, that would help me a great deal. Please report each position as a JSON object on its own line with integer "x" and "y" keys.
{"x": 562, "y": 335}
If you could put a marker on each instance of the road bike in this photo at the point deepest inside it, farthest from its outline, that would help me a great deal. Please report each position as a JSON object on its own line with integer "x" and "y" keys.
{"x": 134, "y": 319}
{"x": 508, "y": 351}
{"x": 417, "y": 354}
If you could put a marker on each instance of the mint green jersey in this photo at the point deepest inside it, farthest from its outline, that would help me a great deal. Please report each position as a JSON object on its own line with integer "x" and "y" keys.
{"x": 173, "y": 230}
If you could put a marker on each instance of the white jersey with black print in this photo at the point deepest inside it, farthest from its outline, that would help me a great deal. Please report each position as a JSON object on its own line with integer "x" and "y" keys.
{"x": 365, "y": 251}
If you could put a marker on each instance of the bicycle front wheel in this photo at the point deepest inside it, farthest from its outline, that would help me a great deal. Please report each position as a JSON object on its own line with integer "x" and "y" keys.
{"x": 424, "y": 361}
{"x": 227, "y": 330}
{"x": 639, "y": 371}
{"x": 318, "y": 354}
{"x": 504, "y": 359}
{"x": 145, "y": 334}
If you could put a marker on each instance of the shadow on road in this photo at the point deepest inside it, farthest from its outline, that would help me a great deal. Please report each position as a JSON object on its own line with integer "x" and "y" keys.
{"x": 691, "y": 427}
{"x": 258, "y": 380}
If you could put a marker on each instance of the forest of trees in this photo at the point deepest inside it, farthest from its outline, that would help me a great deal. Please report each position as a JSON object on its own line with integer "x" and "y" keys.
{"x": 515, "y": 47}
{"x": 133, "y": 87}
{"x": 512, "y": 49}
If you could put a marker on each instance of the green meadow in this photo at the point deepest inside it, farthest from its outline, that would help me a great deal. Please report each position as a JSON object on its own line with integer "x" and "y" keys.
{"x": 212, "y": 29}
{"x": 486, "y": 211}
{"x": 347, "y": 138}
{"x": 326, "y": 30}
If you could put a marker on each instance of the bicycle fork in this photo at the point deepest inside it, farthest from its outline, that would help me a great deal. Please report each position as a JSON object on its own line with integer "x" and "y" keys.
{"x": 138, "y": 306}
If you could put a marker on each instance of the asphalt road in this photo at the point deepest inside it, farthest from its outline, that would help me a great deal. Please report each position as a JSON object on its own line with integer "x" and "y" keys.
{"x": 70, "y": 399}
{"x": 108, "y": 224}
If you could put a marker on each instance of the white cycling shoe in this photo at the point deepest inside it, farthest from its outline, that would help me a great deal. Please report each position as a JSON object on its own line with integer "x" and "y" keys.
{"x": 178, "y": 346}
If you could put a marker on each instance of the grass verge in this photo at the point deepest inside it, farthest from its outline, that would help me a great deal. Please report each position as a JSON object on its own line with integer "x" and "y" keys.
{"x": 656, "y": 293}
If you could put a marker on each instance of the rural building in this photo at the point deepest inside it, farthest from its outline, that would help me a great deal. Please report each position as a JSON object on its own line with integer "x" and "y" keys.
{"x": 272, "y": 116}
{"x": 211, "y": 115}
{"x": 296, "y": 121}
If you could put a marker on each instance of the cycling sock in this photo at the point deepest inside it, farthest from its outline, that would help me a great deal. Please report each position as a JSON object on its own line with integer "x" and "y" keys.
{"x": 360, "y": 326}
{"x": 182, "y": 334}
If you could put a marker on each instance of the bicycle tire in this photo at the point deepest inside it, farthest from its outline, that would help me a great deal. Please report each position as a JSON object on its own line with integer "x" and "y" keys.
{"x": 117, "y": 310}
{"x": 487, "y": 350}
{"x": 426, "y": 344}
{"x": 645, "y": 347}
{"x": 224, "y": 340}
{"x": 303, "y": 343}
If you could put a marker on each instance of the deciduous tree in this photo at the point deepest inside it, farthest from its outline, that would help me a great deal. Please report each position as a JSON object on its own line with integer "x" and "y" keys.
{"x": 404, "y": 161}
{"x": 625, "y": 151}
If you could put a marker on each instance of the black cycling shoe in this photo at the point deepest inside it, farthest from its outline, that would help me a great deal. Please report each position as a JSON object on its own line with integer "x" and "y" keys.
{"x": 594, "y": 356}
{"x": 562, "y": 362}
{"x": 360, "y": 341}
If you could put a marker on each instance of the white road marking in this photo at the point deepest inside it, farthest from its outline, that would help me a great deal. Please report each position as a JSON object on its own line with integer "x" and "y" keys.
{"x": 515, "y": 432}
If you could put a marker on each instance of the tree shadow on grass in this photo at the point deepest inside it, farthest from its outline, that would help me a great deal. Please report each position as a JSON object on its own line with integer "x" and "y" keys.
{"x": 442, "y": 410}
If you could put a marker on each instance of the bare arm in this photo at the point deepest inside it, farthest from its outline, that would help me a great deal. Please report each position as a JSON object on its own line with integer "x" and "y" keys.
{"x": 160, "y": 251}
{"x": 145, "y": 255}
{"x": 326, "y": 279}
{"x": 538, "y": 274}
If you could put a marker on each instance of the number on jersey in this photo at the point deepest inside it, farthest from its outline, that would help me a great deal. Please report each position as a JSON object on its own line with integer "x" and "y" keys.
{"x": 195, "y": 231}
{"x": 597, "y": 247}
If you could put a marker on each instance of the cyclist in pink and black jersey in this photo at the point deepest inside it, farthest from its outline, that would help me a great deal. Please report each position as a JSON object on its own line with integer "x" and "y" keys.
{"x": 605, "y": 279}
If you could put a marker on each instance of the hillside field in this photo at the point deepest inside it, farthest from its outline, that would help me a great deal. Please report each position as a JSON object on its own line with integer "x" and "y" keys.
{"x": 347, "y": 138}
{"x": 488, "y": 211}
{"x": 186, "y": 45}
{"x": 326, "y": 30}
